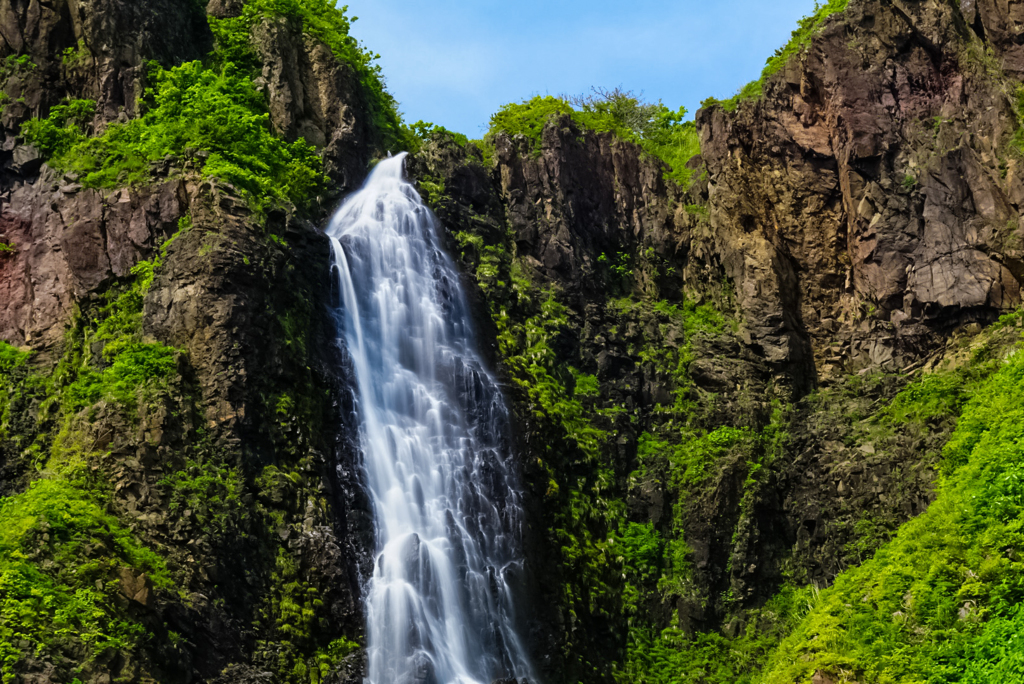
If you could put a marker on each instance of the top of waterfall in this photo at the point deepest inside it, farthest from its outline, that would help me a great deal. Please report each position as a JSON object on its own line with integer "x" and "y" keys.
{"x": 390, "y": 168}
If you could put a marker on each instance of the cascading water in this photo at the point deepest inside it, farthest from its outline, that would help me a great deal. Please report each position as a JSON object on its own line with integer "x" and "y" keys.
{"x": 432, "y": 424}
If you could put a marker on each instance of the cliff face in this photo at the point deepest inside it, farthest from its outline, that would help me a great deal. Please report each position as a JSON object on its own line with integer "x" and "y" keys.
{"x": 856, "y": 223}
{"x": 702, "y": 378}
{"x": 870, "y": 198}
{"x": 233, "y": 466}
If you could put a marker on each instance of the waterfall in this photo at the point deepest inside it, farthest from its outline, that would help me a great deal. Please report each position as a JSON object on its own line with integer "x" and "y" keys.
{"x": 432, "y": 431}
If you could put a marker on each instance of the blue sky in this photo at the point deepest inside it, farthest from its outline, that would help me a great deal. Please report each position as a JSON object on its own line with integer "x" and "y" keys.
{"x": 455, "y": 62}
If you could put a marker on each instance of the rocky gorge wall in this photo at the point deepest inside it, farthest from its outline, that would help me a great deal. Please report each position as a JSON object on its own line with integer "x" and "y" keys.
{"x": 173, "y": 387}
{"x": 702, "y": 377}
{"x": 716, "y": 361}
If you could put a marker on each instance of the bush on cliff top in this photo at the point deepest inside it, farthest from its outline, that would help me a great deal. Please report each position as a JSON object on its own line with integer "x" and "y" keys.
{"x": 189, "y": 106}
{"x": 660, "y": 131}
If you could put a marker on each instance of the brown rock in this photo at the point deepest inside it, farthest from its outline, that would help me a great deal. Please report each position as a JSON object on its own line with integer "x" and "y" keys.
{"x": 135, "y": 588}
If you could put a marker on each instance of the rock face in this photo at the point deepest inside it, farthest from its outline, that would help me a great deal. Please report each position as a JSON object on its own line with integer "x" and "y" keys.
{"x": 253, "y": 421}
{"x": 851, "y": 222}
{"x": 314, "y": 96}
{"x": 95, "y": 49}
{"x": 869, "y": 197}
{"x": 70, "y": 242}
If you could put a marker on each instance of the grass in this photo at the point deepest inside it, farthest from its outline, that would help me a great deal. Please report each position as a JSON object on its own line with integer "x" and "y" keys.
{"x": 941, "y": 602}
{"x": 60, "y": 557}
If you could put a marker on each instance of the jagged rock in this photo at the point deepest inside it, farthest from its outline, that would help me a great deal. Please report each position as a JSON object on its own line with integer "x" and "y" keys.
{"x": 863, "y": 185}
{"x": 313, "y": 95}
{"x": 26, "y": 160}
{"x": 135, "y": 588}
{"x": 70, "y": 245}
{"x": 113, "y": 39}
{"x": 225, "y": 9}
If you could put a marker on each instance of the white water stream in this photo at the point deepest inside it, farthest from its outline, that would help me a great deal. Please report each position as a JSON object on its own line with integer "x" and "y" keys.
{"x": 432, "y": 423}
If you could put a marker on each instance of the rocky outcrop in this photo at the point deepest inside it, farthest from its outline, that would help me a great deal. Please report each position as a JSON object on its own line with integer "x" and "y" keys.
{"x": 867, "y": 204}
{"x": 314, "y": 96}
{"x": 69, "y": 243}
{"x": 94, "y": 49}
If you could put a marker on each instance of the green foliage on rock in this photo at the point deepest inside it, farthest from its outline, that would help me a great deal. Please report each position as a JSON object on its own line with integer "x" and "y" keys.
{"x": 62, "y": 560}
{"x": 219, "y": 112}
{"x": 62, "y": 130}
{"x": 672, "y": 657}
{"x": 935, "y": 602}
{"x": 323, "y": 20}
{"x": 941, "y": 602}
{"x": 424, "y": 130}
{"x": 798, "y": 42}
{"x": 214, "y": 109}
{"x": 660, "y": 131}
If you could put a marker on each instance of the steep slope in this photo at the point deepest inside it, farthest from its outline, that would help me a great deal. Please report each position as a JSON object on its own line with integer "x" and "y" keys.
{"x": 734, "y": 391}
{"x": 181, "y": 502}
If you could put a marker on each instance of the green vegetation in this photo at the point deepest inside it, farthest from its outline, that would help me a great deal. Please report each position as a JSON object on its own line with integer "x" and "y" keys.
{"x": 670, "y": 657}
{"x": 422, "y": 130}
{"x": 938, "y": 600}
{"x": 941, "y": 602}
{"x": 58, "y": 134}
{"x": 799, "y": 42}
{"x": 214, "y": 111}
{"x": 7, "y": 248}
{"x": 330, "y": 24}
{"x": 660, "y": 131}
{"x": 61, "y": 555}
{"x": 189, "y": 106}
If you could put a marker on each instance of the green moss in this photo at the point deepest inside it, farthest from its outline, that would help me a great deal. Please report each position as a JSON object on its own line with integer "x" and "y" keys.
{"x": 60, "y": 558}
{"x": 913, "y": 612}
{"x": 671, "y": 657}
{"x": 11, "y": 358}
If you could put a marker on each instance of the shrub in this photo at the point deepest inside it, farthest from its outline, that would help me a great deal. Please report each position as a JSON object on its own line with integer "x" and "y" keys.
{"x": 660, "y": 131}
{"x": 62, "y": 130}
{"x": 189, "y": 106}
